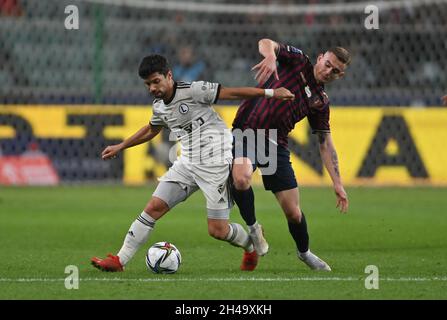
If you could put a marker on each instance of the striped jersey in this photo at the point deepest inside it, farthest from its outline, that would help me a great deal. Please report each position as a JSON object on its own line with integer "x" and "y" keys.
{"x": 295, "y": 73}
{"x": 203, "y": 136}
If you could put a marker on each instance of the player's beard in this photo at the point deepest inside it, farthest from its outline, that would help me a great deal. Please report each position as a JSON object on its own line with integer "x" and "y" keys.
{"x": 159, "y": 95}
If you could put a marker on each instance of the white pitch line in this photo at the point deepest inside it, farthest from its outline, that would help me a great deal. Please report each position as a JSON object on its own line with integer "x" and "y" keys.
{"x": 406, "y": 279}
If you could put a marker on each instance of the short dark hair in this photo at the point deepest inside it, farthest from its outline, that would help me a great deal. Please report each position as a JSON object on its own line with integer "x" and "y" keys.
{"x": 342, "y": 54}
{"x": 153, "y": 63}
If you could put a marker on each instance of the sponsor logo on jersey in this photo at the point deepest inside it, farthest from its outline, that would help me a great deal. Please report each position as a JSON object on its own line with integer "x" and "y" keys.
{"x": 308, "y": 92}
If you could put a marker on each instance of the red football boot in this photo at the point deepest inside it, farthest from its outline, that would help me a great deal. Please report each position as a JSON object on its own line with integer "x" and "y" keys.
{"x": 110, "y": 264}
{"x": 249, "y": 261}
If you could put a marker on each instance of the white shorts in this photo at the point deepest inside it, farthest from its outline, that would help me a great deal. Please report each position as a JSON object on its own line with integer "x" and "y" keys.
{"x": 212, "y": 179}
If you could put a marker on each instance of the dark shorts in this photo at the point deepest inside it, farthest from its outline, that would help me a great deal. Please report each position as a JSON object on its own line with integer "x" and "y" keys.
{"x": 278, "y": 176}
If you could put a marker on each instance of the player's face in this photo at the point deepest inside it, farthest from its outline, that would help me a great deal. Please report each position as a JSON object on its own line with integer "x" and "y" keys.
{"x": 328, "y": 68}
{"x": 160, "y": 86}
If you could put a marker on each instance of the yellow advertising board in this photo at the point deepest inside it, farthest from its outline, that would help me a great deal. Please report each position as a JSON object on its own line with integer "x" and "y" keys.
{"x": 378, "y": 146}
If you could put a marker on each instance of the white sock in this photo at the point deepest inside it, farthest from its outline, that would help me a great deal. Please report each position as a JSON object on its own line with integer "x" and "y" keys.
{"x": 238, "y": 237}
{"x": 137, "y": 235}
{"x": 253, "y": 227}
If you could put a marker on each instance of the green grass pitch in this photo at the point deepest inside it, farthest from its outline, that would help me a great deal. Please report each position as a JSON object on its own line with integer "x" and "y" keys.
{"x": 402, "y": 231}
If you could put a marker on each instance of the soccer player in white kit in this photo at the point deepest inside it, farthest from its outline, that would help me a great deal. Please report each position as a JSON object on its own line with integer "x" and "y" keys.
{"x": 204, "y": 163}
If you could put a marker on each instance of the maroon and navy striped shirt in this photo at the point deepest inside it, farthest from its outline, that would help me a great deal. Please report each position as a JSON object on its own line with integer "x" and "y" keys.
{"x": 295, "y": 73}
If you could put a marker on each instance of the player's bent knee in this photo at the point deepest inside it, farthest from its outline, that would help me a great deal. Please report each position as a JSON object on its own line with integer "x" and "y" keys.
{"x": 242, "y": 181}
{"x": 218, "y": 232}
{"x": 156, "y": 208}
{"x": 242, "y": 173}
{"x": 294, "y": 215}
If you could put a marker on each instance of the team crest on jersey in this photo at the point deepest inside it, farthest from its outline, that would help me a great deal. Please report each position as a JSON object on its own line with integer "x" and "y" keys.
{"x": 183, "y": 108}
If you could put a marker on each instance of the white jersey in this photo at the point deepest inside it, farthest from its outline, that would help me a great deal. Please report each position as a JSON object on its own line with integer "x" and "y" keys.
{"x": 203, "y": 136}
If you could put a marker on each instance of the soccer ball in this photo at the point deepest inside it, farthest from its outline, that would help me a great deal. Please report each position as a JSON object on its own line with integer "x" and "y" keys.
{"x": 163, "y": 257}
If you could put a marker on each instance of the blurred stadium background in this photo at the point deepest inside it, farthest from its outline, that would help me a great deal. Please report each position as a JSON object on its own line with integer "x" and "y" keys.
{"x": 68, "y": 93}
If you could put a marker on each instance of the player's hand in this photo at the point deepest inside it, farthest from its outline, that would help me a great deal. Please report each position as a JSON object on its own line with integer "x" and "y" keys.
{"x": 283, "y": 94}
{"x": 265, "y": 69}
{"x": 110, "y": 152}
{"x": 342, "y": 198}
{"x": 444, "y": 100}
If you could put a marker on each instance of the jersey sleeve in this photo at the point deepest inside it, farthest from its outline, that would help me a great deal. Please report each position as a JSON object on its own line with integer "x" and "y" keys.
{"x": 319, "y": 120}
{"x": 156, "y": 119}
{"x": 205, "y": 92}
{"x": 288, "y": 54}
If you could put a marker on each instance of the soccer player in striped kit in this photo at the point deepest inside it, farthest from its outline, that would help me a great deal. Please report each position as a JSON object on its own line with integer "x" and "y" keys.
{"x": 286, "y": 66}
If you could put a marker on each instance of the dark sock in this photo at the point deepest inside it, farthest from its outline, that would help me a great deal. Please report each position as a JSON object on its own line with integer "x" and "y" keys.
{"x": 299, "y": 233}
{"x": 245, "y": 200}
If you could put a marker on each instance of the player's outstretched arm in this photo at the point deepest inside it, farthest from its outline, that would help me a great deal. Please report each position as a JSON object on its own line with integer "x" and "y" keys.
{"x": 330, "y": 160}
{"x": 249, "y": 93}
{"x": 143, "y": 135}
{"x": 267, "y": 67}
